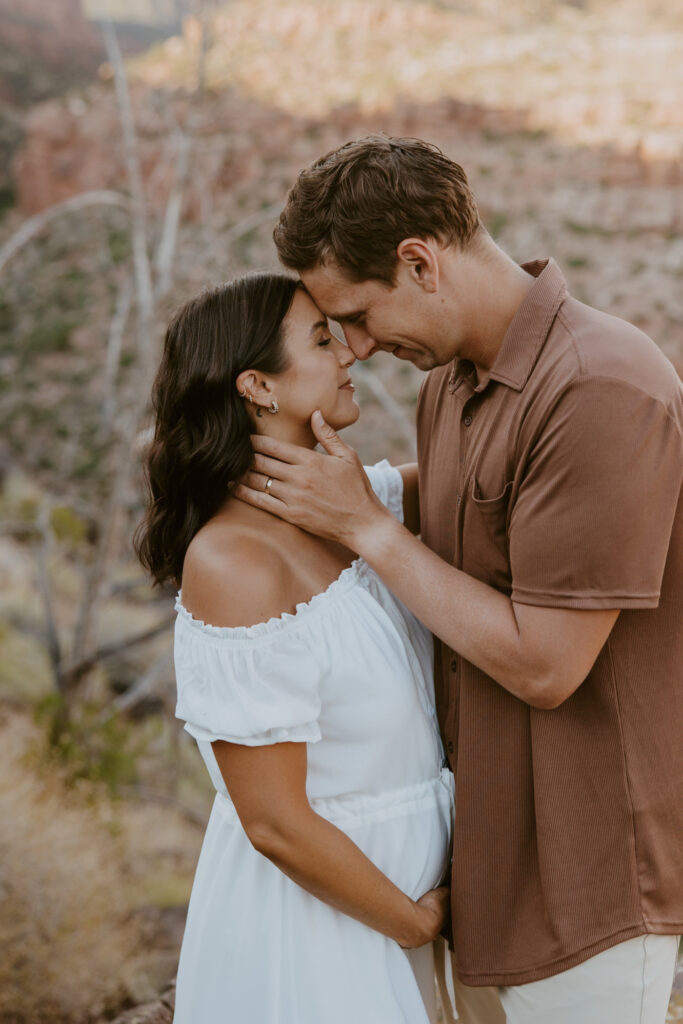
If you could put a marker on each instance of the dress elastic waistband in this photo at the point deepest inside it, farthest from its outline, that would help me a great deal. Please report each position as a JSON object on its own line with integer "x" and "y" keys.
{"x": 349, "y": 809}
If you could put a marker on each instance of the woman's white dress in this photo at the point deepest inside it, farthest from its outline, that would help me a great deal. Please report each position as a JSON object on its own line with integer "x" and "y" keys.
{"x": 350, "y": 674}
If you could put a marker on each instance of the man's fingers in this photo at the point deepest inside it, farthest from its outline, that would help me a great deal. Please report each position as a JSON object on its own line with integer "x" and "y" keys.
{"x": 327, "y": 436}
{"x": 259, "y": 499}
{"x": 258, "y": 481}
{"x": 271, "y": 467}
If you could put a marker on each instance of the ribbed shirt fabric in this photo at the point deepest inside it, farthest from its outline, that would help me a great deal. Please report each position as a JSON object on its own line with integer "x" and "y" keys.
{"x": 557, "y": 481}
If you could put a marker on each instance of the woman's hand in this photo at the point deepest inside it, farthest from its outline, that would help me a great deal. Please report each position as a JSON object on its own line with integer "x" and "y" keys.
{"x": 431, "y": 912}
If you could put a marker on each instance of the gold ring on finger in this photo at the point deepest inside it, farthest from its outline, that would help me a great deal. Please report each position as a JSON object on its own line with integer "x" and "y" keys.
{"x": 269, "y": 484}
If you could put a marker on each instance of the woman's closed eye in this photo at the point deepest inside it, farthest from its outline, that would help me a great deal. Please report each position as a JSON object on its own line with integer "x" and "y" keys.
{"x": 323, "y": 342}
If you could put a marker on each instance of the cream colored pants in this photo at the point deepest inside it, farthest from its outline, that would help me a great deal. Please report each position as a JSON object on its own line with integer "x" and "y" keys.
{"x": 630, "y": 983}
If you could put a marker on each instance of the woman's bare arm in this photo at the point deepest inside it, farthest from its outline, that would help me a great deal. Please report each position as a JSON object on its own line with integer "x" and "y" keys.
{"x": 267, "y": 785}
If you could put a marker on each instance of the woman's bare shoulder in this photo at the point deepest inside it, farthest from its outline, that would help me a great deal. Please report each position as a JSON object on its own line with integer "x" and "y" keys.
{"x": 234, "y": 575}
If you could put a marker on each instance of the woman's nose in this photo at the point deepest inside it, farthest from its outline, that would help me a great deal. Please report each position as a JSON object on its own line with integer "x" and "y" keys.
{"x": 344, "y": 354}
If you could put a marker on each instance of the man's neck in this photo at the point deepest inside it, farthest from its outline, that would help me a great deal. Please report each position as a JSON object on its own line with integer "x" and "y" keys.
{"x": 495, "y": 288}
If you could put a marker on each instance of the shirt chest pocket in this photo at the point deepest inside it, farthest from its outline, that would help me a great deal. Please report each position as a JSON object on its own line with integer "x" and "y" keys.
{"x": 484, "y": 536}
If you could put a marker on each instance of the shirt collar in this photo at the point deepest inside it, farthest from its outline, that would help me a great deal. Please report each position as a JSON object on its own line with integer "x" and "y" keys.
{"x": 528, "y": 329}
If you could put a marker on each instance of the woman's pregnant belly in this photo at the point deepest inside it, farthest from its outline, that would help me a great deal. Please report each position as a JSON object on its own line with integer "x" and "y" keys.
{"x": 406, "y": 832}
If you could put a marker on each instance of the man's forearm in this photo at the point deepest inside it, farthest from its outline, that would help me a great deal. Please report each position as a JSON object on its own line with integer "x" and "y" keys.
{"x": 539, "y": 654}
{"x": 472, "y": 618}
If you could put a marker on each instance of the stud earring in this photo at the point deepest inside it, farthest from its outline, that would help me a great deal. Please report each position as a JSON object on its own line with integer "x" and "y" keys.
{"x": 273, "y": 407}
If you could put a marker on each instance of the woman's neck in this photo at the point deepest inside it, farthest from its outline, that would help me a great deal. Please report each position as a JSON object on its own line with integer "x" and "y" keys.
{"x": 286, "y": 430}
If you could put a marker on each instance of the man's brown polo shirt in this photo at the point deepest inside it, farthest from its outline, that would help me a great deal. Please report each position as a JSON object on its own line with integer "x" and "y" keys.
{"x": 557, "y": 482}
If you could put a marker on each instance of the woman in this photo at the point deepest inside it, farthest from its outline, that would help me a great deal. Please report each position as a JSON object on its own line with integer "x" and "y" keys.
{"x": 306, "y": 684}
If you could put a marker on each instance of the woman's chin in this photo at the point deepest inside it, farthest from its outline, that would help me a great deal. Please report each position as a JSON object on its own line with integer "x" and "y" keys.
{"x": 340, "y": 420}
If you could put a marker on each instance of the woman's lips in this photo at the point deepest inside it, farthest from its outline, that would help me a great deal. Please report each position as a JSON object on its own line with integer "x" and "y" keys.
{"x": 347, "y": 386}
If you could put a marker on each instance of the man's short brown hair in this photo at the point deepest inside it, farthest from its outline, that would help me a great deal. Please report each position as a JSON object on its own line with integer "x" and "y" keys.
{"x": 356, "y": 204}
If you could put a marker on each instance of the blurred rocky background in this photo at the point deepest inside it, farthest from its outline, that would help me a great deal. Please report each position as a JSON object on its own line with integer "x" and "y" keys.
{"x": 146, "y": 147}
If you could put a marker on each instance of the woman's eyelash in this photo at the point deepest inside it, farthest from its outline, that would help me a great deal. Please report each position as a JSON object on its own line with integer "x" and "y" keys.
{"x": 324, "y": 341}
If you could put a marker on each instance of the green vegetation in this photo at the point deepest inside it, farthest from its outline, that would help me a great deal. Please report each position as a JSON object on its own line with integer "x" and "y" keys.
{"x": 90, "y": 745}
{"x": 48, "y": 336}
{"x": 119, "y": 245}
{"x": 67, "y": 526}
{"x": 496, "y": 223}
{"x": 7, "y": 198}
{"x": 578, "y": 261}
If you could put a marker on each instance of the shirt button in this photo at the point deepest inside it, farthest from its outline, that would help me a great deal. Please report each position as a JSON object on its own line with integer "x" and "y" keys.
{"x": 468, "y": 420}
{"x": 450, "y": 746}
{"x": 454, "y": 665}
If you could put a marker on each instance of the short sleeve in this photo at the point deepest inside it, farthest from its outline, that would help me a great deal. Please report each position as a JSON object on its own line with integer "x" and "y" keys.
{"x": 387, "y": 483}
{"x": 591, "y": 524}
{"x": 249, "y": 691}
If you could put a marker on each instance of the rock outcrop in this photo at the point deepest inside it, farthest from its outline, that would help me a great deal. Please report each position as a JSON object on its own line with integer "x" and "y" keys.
{"x": 160, "y": 1011}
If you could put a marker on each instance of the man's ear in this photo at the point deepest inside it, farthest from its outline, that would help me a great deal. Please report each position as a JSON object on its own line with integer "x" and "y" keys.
{"x": 419, "y": 257}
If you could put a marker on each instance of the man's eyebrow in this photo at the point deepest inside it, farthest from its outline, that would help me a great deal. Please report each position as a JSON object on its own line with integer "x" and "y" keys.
{"x": 316, "y": 327}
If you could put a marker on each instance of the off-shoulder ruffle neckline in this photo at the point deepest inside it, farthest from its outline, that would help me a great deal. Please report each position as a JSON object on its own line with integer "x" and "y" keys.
{"x": 347, "y": 578}
{"x": 354, "y": 573}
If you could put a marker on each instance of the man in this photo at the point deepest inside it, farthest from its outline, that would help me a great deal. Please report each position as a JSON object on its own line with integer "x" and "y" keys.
{"x": 549, "y": 569}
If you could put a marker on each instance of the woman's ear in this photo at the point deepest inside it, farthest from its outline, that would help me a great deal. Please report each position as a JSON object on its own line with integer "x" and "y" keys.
{"x": 420, "y": 259}
{"x": 245, "y": 384}
{"x": 254, "y": 388}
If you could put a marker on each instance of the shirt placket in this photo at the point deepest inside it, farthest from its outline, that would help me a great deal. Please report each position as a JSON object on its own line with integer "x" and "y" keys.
{"x": 467, "y": 414}
{"x": 465, "y": 393}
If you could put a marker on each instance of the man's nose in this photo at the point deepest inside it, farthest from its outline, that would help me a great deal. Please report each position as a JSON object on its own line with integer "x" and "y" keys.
{"x": 362, "y": 344}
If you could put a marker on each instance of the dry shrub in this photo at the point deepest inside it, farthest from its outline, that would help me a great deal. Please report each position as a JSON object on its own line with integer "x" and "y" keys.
{"x": 63, "y": 934}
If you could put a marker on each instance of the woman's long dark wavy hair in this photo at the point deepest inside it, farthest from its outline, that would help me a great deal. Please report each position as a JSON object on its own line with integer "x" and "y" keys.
{"x": 201, "y": 438}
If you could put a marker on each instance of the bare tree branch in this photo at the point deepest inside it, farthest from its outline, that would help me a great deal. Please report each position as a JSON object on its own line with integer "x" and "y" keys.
{"x": 254, "y": 220}
{"x": 69, "y": 451}
{"x": 77, "y": 671}
{"x": 169, "y": 232}
{"x": 204, "y": 43}
{"x": 153, "y": 796}
{"x": 93, "y": 592}
{"x": 142, "y": 688}
{"x": 113, "y": 357}
{"x": 54, "y": 647}
{"x": 92, "y": 596}
{"x": 161, "y": 168}
{"x": 34, "y": 225}
{"x": 143, "y": 275}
